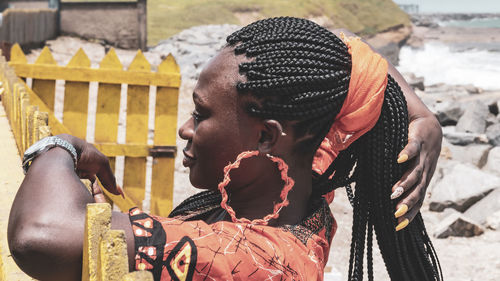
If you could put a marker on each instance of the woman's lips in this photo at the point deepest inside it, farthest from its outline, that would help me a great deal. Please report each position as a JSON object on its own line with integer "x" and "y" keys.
{"x": 188, "y": 160}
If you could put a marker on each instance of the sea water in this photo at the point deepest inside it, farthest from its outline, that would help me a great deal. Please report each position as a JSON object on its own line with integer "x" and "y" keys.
{"x": 440, "y": 63}
{"x": 493, "y": 22}
{"x": 458, "y": 64}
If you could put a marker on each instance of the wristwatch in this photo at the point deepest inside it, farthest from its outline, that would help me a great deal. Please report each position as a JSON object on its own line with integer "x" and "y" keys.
{"x": 44, "y": 145}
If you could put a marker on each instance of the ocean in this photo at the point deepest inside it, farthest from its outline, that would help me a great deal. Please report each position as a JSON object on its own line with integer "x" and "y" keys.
{"x": 493, "y": 22}
{"x": 457, "y": 63}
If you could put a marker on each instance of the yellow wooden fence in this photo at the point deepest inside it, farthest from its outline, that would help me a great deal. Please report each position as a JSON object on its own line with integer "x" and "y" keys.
{"x": 110, "y": 76}
{"x": 104, "y": 250}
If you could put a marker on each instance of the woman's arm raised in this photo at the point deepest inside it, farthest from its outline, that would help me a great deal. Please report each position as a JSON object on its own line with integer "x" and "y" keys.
{"x": 421, "y": 152}
{"x": 47, "y": 218}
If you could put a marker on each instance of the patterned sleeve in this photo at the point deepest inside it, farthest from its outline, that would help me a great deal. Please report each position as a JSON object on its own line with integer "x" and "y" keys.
{"x": 173, "y": 249}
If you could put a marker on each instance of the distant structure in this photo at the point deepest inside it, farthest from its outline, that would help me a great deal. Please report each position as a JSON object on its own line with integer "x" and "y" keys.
{"x": 409, "y": 8}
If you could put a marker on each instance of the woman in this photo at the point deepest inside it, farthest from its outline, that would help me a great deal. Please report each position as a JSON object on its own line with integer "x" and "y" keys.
{"x": 283, "y": 96}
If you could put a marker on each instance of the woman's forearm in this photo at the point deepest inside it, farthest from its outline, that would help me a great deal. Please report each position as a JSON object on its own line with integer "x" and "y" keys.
{"x": 46, "y": 222}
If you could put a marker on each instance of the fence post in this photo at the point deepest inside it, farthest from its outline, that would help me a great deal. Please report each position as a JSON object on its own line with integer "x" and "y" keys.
{"x": 97, "y": 222}
{"x": 112, "y": 261}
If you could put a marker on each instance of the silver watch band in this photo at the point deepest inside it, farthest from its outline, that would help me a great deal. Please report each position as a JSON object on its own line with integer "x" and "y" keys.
{"x": 44, "y": 145}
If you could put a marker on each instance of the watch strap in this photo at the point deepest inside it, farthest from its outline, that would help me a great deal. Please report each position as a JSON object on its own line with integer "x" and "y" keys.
{"x": 44, "y": 145}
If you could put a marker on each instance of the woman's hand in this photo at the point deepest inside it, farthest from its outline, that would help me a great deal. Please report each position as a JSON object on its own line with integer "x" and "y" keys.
{"x": 91, "y": 164}
{"x": 421, "y": 153}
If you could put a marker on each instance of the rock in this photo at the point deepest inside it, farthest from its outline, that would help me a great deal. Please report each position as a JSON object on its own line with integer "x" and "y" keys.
{"x": 475, "y": 154}
{"x": 474, "y": 118}
{"x": 195, "y": 46}
{"x": 389, "y": 42}
{"x": 491, "y": 120}
{"x": 493, "y": 160}
{"x": 471, "y": 89}
{"x": 459, "y": 225}
{"x": 493, "y": 134}
{"x": 494, "y": 106}
{"x": 485, "y": 207}
{"x": 493, "y": 221}
{"x": 414, "y": 81}
{"x": 461, "y": 187}
{"x": 448, "y": 112}
{"x": 460, "y": 138}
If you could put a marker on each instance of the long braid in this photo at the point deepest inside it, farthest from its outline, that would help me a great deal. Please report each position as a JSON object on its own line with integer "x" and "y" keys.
{"x": 300, "y": 72}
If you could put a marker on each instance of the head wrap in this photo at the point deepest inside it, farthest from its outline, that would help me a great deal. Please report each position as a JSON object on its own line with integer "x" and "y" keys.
{"x": 362, "y": 105}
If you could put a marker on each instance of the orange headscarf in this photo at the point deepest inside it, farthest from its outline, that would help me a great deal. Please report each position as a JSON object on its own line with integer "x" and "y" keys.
{"x": 362, "y": 106}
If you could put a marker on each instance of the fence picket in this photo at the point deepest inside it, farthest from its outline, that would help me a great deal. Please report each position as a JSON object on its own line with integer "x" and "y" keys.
{"x": 17, "y": 55}
{"x": 164, "y": 135}
{"x": 134, "y": 178}
{"x": 40, "y": 119}
{"x": 25, "y": 102}
{"x": 45, "y": 89}
{"x": 108, "y": 105}
{"x": 76, "y": 99}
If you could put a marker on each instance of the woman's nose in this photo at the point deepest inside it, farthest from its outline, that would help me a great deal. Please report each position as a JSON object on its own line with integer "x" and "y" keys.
{"x": 187, "y": 129}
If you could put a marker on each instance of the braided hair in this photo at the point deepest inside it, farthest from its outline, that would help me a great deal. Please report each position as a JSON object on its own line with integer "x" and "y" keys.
{"x": 300, "y": 71}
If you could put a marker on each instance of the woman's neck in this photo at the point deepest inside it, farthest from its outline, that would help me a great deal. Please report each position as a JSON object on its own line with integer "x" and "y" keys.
{"x": 257, "y": 199}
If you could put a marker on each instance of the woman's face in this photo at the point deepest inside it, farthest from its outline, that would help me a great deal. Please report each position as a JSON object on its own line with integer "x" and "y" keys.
{"x": 219, "y": 128}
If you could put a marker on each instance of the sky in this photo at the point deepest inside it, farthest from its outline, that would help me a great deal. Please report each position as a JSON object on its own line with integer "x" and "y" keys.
{"x": 455, "y": 6}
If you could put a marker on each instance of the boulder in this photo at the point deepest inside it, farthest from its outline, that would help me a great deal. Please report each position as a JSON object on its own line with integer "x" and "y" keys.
{"x": 491, "y": 120}
{"x": 493, "y": 106}
{"x": 493, "y": 134}
{"x": 493, "y": 160}
{"x": 474, "y": 118}
{"x": 475, "y": 154}
{"x": 461, "y": 187}
{"x": 456, "y": 224}
{"x": 485, "y": 207}
{"x": 493, "y": 221}
{"x": 471, "y": 89}
{"x": 414, "y": 81}
{"x": 448, "y": 112}
{"x": 460, "y": 138}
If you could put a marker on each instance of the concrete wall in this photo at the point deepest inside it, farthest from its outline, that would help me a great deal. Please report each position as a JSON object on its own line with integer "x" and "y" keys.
{"x": 121, "y": 24}
{"x": 28, "y": 27}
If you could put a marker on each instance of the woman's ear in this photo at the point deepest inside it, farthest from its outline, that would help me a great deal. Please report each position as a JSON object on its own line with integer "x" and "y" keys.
{"x": 270, "y": 133}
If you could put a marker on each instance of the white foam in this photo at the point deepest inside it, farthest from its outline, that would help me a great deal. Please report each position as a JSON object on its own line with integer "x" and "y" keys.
{"x": 437, "y": 63}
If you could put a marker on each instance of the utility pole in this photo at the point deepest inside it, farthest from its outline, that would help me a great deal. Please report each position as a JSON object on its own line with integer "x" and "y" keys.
{"x": 142, "y": 8}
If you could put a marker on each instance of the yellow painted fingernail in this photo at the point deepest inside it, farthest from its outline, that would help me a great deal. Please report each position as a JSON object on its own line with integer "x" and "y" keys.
{"x": 402, "y": 158}
{"x": 401, "y": 211}
{"x": 402, "y": 225}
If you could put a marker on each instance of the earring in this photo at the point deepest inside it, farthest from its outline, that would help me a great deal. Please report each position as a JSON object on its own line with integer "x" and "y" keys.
{"x": 282, "y": 167}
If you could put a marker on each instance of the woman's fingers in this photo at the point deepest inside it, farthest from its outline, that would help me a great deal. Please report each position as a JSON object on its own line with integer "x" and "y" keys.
{"x": 410, "y": 204}
{"x": 411, "y": 150}
{"x": 409, "y": 178}
{"x": 107, "y": 178}
{"x": 97, "y": 193}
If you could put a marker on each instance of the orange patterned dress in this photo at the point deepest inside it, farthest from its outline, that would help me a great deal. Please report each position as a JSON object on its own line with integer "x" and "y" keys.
{"x": 184, "y": 247}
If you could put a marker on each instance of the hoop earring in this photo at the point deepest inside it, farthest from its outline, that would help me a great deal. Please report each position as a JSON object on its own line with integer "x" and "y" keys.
{"x": 289, "y": 182}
